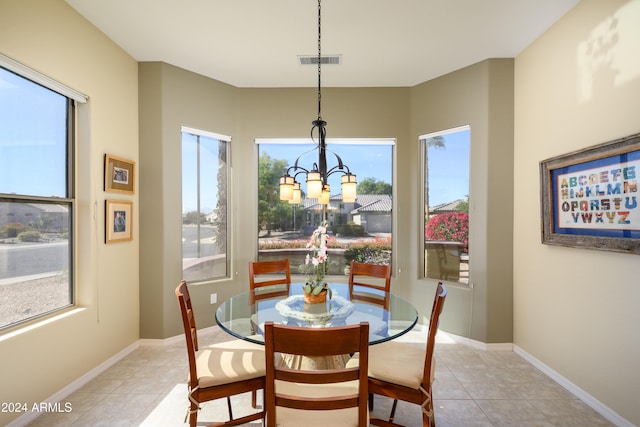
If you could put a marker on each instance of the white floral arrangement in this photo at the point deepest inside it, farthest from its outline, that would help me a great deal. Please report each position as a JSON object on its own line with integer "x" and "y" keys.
{"x": 317, "y": 260}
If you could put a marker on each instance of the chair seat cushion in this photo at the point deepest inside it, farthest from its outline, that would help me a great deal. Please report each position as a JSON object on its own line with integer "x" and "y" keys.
{"x": 287, "y": 417}
{"x": 397, "y": 362}
{"x": 230, "y": 361}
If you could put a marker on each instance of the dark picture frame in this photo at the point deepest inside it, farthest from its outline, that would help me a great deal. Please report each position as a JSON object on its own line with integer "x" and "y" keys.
{"x": 119, "y": 174}
{"x": 590, "y": 197}
{"x": 118, "y": 221}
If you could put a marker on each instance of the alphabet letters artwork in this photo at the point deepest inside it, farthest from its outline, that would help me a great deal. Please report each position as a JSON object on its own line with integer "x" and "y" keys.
{"x": 590, "y": 199}
{"x": 601, "y": 198}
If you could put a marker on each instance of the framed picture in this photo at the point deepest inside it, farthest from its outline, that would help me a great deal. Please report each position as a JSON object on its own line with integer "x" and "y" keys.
{"x": 119, "y": 174}
{"x": 590, "y": 197}
{"x": 118, "y": 221}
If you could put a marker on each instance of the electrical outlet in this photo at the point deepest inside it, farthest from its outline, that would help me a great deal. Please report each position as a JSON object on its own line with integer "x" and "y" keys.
{"x": 214, "y": 298}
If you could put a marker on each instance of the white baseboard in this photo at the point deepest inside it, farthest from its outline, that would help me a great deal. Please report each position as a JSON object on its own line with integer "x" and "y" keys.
{"x": 477, "y": 344}
{"x": 591, "y": 401}
{"x": 75, "y": 385}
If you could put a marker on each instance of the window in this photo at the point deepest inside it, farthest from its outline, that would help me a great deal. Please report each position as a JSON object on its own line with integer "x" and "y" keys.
{"x": 205, "y": 173}
{"x": 446, "y": 202}
{"x": 360, "y": 230}
{"x": 36, "y": 194}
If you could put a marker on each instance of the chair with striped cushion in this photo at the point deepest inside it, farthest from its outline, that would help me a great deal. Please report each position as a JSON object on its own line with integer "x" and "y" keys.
{"x": 219, "y": 370}
{"x": 316, "y": 398}
{"x": 404, "y": 371}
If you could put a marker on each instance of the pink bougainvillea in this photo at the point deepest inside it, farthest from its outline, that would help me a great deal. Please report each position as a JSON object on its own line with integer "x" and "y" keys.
{"x": 451, "y": 226}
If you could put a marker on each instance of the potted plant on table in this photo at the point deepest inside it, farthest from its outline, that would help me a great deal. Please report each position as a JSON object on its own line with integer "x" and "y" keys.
{"x": 315, "y": 288}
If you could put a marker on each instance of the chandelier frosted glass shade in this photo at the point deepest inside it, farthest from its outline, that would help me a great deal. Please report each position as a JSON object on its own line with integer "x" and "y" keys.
{"x": 286, "y": 187}
{"x": 297, "y": 194}
{"x": 314, "y": 185}
{"x": 348, "y": 188}
{"x": 325, "y": 195}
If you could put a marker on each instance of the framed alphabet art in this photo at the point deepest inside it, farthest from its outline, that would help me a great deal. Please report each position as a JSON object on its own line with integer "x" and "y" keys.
{"x": 590, "y": 197}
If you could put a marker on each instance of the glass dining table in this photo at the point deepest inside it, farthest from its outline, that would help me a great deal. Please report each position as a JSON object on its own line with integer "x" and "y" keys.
{"x": 389, "y": 316}
{"x": 243, "y": 315}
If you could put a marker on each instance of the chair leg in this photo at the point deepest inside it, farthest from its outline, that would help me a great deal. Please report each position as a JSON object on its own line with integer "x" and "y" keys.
{"x": 229, "y": 407}
{"x": 393, "y": 410}
{"x": 371, "y": 401}
{"x": 428, "y": 416}
{"x": 193, "y": 415}
{"x": 254, "y": 399}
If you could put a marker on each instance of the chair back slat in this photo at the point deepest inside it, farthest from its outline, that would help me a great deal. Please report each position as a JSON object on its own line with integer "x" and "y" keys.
{"x": 190, "y": 331}
{"x": 311, "y": 342}
{"x": 262, "y": 268}
{"x": 434, "y": 321}
{"x": 365, "y": 279}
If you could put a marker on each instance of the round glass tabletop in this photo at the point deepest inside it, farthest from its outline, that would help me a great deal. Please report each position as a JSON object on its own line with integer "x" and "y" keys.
{"x": 244, "y": 314}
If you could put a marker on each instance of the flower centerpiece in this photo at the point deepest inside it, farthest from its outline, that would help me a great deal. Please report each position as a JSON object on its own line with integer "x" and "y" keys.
{"x": 317, "y": 262}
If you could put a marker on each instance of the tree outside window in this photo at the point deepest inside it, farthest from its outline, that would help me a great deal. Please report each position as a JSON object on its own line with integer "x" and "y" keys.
{"x": 360, "y": 230}
{"x": 446, "y": 196}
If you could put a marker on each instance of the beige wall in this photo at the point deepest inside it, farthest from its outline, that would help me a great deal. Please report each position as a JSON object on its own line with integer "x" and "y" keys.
{"x": 37, "y": 362}
{"x": 171, "y": 97}
{"x": 480, "y": 96}
{"x": 576, "y": 310}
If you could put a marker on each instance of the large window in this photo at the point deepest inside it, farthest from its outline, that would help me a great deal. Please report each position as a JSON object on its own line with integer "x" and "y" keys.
{"x": 360, "y": 230}
{"x": 205, "y": 174}
{"x": 446, "y": 204}
{"x": 36, "y": 196}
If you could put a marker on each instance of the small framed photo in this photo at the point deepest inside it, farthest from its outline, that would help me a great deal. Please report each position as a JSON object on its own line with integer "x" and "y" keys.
{"x": 590, "y": 197}
{"x": 118, "y": 221}
{"x": 119, "y": 174}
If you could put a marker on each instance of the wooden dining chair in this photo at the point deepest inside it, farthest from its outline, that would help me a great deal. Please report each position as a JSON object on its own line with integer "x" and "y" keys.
{"x": 268, "y": 279}
{"x": 404, "y": 371}
{"x": 371, "y": 283}
{"x": 219, "y": 370}
{"x": 365, "y": 277}
{"x": 310, "y": 398}
{"x": 267, "y": 269}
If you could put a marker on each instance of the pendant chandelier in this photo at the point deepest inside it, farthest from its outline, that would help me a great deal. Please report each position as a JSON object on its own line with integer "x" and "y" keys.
{"x": 317, "y": 177}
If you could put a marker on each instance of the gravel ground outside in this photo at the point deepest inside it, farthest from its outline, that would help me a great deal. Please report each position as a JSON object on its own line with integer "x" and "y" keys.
{"x": 31, "y": 298}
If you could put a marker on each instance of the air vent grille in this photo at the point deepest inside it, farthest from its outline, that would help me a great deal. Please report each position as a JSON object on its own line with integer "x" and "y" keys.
{"x": 313, "y": 60}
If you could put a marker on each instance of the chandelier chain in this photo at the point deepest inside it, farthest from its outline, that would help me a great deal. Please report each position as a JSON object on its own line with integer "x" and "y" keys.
{"x": 319, "y": 60}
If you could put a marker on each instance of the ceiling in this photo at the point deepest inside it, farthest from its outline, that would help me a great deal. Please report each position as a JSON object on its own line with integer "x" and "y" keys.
{"x": 256, "y": 43}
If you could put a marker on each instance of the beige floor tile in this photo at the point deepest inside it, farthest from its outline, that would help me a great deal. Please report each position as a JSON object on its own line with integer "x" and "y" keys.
{"x": 472, "y": 388}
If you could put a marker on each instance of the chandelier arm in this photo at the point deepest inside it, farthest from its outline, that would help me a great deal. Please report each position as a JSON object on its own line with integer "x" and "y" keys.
{"x": 337, "y": 168}
{"x": 296, "y": 168}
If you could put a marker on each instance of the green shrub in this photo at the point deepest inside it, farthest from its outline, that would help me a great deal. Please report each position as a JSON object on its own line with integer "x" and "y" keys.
{"x": 11, "y": 230}
{"x": 29, "y": 236}
{"x": 350, "y": 229}
{"x": 378, "y": 252}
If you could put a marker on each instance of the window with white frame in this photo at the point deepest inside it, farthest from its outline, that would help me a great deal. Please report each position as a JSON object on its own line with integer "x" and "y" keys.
{"x": 205, "y": 178}
{"x": 446, "y": 204}
{"x": 37, "y": 128}
{"x": 360, "y": 230}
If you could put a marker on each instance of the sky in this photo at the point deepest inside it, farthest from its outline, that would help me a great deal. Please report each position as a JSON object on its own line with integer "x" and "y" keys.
{"x": 32, "y": 140}
{"x": 32, "y": 152}
{"x": 365, "y": 161}
{"x": 449, "y": 169}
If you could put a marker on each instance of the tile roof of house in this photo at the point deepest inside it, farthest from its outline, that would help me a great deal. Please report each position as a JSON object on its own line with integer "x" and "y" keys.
{"x": 447, "y": 207}
{"x": 372, "y": 203}
{"x": 363, "y": 203}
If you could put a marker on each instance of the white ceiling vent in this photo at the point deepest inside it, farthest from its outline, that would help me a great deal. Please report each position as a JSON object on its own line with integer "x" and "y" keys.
{"x": 326, "y": 59}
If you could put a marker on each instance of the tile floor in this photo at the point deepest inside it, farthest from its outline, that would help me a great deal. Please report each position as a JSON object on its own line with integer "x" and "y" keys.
{"x": 472, "y": 388}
